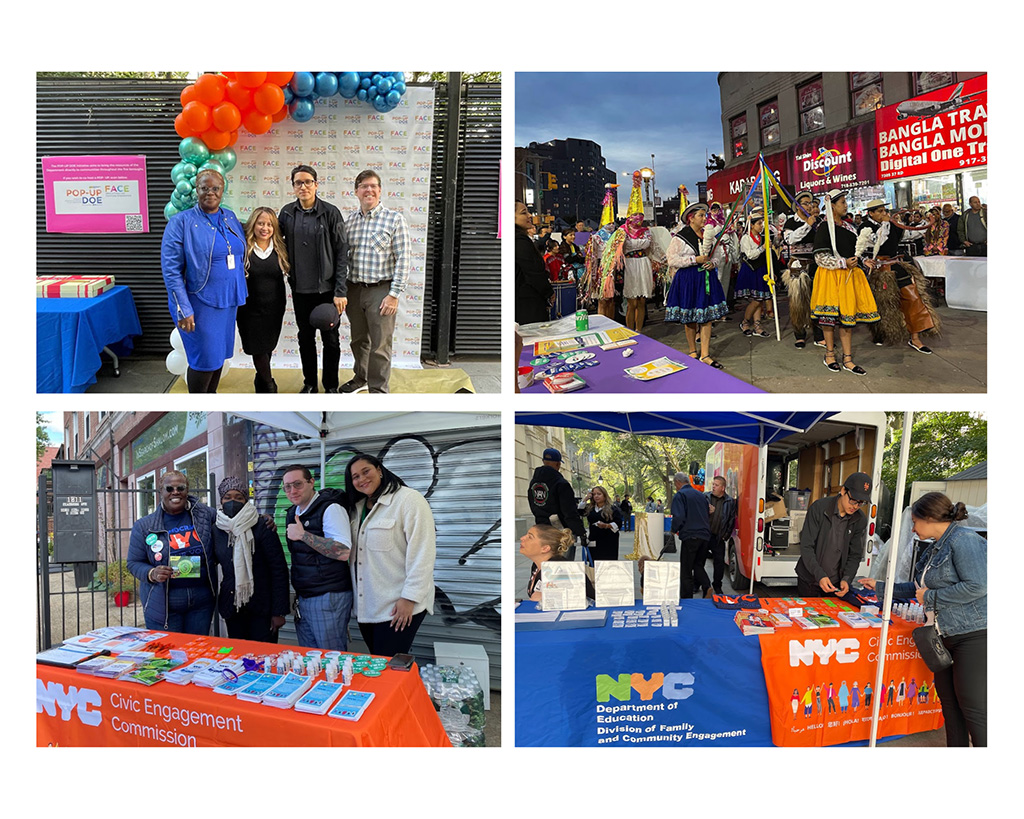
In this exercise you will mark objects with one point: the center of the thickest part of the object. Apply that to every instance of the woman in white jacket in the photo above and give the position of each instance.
(393, 550)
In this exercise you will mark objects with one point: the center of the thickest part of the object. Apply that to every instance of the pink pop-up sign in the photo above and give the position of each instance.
(95, 194)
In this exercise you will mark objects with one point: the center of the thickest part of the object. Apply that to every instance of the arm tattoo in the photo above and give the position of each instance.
(327, 547)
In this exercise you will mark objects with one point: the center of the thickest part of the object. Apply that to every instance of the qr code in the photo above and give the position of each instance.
(133, 222)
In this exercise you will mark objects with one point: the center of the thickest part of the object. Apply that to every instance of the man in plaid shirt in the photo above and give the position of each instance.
(378, 240)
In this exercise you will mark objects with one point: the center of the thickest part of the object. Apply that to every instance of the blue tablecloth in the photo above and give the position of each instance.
(575, 687)
(70, 333)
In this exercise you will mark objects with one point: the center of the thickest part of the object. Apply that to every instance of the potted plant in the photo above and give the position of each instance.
(120, 582)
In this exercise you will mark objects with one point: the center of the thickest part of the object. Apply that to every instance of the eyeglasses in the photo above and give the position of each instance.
(368, 188)
(172, 489)
(294, 485)
(206, 189)
(303, 183)
(855, 502)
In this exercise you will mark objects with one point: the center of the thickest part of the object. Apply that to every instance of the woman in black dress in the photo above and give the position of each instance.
(261, 317)
(605, 522)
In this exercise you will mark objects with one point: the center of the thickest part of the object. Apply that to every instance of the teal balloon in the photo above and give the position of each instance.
(365, 82)
(326, 84)
(303, 83)
(384, 85)
(377, 77)
(226, 158)
(362, 94)
(170, 210)
(301, 109)
(393, 98)
(178, 172)
(399, 87)
(212, 165)
(193, 150)
(183, 188)
(381, 104)
(348, 84)
(398, 76)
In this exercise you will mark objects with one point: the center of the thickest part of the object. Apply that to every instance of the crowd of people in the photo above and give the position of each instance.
(218, 273)
(839, 270)
(367, 550)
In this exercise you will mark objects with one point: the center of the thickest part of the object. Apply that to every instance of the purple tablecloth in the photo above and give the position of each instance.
(608, 376)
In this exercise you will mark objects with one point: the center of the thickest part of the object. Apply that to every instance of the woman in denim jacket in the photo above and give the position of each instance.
(950, 581)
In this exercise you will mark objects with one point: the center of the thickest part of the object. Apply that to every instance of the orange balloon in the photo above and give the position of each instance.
(233, 138)
(268, 98)
(188, 94)
(197, 116)
(257, 123)
(239, 95)
(280, 115)
(227, 117)
(216, 140)
(229, 74)
(210, 88)
(280, 77)
(181, 127)
(252, 79)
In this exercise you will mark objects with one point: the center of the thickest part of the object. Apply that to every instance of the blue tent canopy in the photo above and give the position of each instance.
(756, 428)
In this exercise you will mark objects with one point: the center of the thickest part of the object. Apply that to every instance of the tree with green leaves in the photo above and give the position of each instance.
(42, 437)
(941, 444)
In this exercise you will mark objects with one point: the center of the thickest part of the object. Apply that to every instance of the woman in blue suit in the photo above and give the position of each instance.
(202, 258)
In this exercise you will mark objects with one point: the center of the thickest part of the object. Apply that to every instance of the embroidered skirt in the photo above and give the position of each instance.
(842, 298)
(695, 297)
(750, 283)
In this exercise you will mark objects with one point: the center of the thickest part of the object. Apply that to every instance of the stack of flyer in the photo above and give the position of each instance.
(234, 686)
(183, 676)
(66, 656)
(219, 672)
(255, 690)
(288, 691)
(319, 698)
(352, 705)
(95, 664)
(851, 618)
(115, 669)
(751, 622)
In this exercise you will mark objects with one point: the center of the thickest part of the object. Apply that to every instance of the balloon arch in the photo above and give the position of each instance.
(217, 106)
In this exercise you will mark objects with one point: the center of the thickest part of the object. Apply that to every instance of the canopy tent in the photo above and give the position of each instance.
(323, 424)
(758, 428)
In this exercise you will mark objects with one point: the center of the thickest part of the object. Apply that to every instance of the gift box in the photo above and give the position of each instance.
(72, 287)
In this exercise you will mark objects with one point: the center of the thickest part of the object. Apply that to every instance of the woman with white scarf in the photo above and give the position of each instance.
(254, 596)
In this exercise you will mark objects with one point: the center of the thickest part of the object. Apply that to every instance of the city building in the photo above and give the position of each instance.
(566, 178)
(821, 131)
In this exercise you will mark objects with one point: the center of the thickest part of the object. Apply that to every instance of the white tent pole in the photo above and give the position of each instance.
(890, 570)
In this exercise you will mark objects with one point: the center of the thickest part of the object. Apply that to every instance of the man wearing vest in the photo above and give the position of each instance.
(552, 500)
(319, 539)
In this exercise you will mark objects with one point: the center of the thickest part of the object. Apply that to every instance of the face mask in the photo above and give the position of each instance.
(232, 508)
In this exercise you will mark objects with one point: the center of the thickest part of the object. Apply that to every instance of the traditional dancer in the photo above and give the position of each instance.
(695, 298)
(841, 296)
(798, 233)
(750, 283)
(592, 287)
(629, 250)
(900, 289)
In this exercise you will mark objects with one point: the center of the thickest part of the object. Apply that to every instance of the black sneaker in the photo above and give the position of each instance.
(353, 386)
(306, 389)
(331, 391)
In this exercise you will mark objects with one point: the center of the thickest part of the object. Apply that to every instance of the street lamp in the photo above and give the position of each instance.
(647, 174)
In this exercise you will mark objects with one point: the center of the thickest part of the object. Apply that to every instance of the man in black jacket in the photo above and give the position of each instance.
(552, 500)
(314, 233)
(833, 539)
(722, 520)
(319, 539)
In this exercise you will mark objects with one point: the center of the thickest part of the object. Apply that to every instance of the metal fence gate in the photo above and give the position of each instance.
(121, 116)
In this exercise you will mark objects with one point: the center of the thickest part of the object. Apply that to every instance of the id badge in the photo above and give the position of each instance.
(231, 261)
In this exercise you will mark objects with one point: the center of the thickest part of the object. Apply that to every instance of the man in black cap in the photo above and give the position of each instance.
(552, 500)
(314, 234)
(833, 539)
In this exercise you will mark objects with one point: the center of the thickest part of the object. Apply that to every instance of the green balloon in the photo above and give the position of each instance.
(194, 150)
(190, 169)
(183, 188)
(170, 210)
(178, 172)
(225, 157)
(212, 165)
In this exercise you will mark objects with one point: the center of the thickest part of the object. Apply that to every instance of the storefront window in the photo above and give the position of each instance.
(812, 112)
(768, 114)
(865, 92)
(194, 468)
(934, 191)
(146, 497)
(858, 198)
(975, 183)
(926, 81)
(738, 132)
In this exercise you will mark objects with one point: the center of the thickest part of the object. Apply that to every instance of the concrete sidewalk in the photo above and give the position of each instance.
(958, 364)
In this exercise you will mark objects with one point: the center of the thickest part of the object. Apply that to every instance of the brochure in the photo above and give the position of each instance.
(234, 686)
(183, 676)
(288, 690)
(320, 698)
(352, 705)
(661, 583)
(614, 583)
(66, 656)
(255, 690)
(563, 585)
(658, 368)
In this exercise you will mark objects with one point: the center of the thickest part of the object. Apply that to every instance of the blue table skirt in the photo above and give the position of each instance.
(713, 693)
(70, 333)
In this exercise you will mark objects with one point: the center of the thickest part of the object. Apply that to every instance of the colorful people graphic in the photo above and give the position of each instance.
(855, 696)
(817, 697)
(795, 700)
(831, 698)
(867, 695)
(844, 697)
(807, 702)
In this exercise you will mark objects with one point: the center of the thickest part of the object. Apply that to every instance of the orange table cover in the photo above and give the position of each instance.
(82, 710)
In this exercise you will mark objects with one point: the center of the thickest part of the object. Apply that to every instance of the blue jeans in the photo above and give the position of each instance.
(189, 611)
(323, 621)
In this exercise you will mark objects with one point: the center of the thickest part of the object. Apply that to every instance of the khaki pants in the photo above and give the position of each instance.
(371, 334)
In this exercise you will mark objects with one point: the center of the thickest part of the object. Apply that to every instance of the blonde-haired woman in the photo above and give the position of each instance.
(540, 544)
(261, 317)
(605, 522)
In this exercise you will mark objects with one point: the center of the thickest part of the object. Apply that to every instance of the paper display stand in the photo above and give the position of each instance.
(650, 534)
(614, 583)
(661, 583)
(563, 585)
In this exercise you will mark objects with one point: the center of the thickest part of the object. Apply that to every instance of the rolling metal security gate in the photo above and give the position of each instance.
(116, 116)
(459, 472)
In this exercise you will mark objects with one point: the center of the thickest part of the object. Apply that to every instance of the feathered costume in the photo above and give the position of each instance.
(590, 284)
(629, 249)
